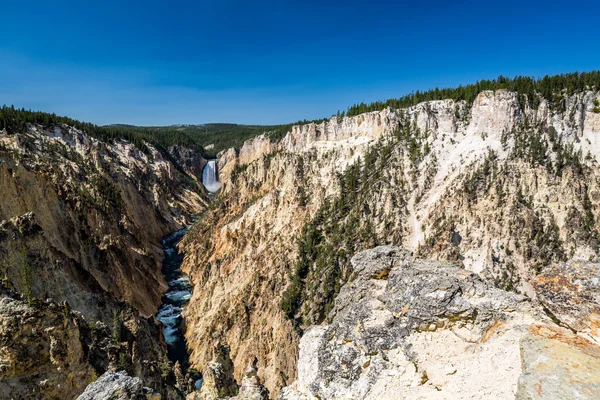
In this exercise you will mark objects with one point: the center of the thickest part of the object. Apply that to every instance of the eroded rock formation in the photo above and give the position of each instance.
(81, 223)
(117, 385)
(408, 328)
(503, 189)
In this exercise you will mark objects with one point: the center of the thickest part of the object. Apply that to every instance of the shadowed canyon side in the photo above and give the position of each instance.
(81, 222)
(97, 213)
(504, 186)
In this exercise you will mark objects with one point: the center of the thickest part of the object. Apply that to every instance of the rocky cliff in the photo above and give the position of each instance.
(407, 328)
(81, 223)
(503, 188)
(85, 218)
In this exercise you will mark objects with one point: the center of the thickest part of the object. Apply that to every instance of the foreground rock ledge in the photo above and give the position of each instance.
(409, 329)
(120, 386)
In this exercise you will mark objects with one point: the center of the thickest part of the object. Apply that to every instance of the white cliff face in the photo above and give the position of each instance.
(501, 221)
(348, 131)
(227, 160)
(369, 125)
(254, 148)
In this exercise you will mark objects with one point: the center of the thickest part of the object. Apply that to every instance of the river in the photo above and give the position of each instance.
(178, 294)
(180, 287)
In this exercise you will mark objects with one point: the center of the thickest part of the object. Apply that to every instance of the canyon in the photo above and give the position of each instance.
(81, 236)
(448, 249)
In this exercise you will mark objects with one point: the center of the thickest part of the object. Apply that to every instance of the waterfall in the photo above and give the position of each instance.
(209, 177)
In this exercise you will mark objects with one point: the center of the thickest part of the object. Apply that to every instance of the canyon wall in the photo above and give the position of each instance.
(96, 213)
(81, 223)
(445, 179)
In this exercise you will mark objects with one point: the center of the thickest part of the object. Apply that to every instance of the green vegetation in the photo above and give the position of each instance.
(107, 192)
(195, 137)
(537, 146)
(26, 275)
(3, 270)
(553, 88)
(341, 227)
(15, 120)
(222, 136)
(482, 178)
(117, 324)
(225, 136)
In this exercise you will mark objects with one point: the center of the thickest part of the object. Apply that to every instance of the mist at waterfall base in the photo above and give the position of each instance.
(178, 294)
(210, 177)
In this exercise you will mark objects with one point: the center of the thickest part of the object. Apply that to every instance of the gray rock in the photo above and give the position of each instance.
(391, 297)
(217, 378)
(413, 329)
(114, 386)
(251, 388)
(377, 262)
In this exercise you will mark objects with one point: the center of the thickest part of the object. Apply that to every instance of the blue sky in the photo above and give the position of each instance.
(184, 62)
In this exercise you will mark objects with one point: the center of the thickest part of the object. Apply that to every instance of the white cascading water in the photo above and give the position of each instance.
(209, 177)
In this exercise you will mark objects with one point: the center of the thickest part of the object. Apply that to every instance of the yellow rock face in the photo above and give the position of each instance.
(40, 352)
(558, 364)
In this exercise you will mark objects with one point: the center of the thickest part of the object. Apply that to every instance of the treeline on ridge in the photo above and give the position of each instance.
(555, 89)
(552, 88)
(15, 120)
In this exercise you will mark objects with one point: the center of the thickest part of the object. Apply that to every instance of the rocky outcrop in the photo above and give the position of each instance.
(251, 387)
(412, 328)
(118, 386)
(218, 382)
(217, 378)
(571, 292)
(558, 364)
(41, 351)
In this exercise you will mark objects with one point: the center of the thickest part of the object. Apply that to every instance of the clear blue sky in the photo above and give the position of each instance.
(169, 62)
